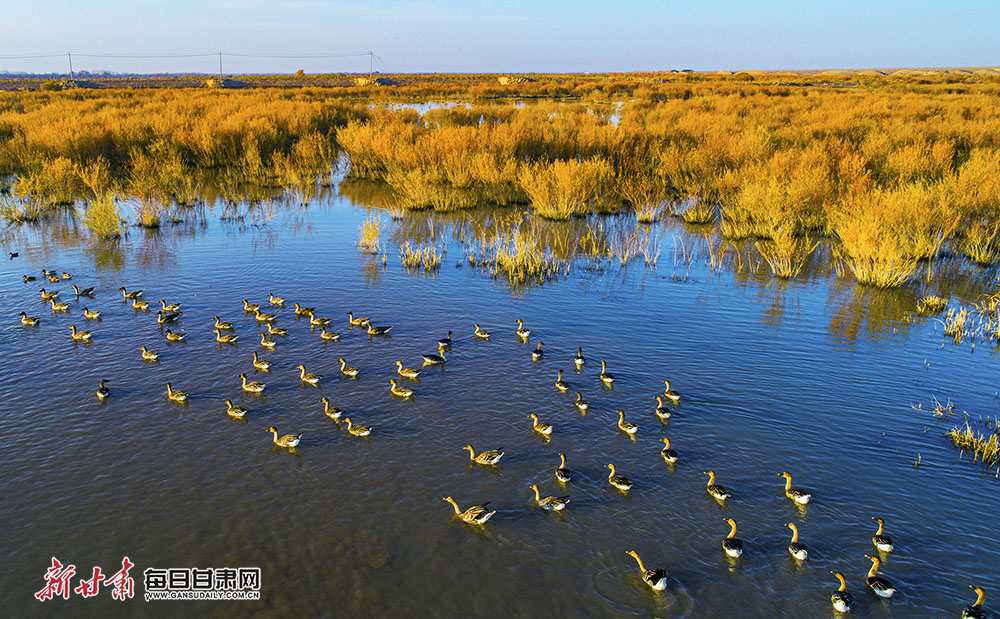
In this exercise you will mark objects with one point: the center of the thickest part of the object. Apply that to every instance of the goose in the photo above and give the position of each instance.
(732, 546)
(328, 336)
(581, 404)
(357, 322)
(975, 610)
(579, 359)
(483, 335)
(272, 330)
(445, 341)
(47, 295)
(66, 275)
(626, 426)
(798, 495)
(406, 372)
(148, 355)
(318, 321)
(52, 277)
(140, 305)
(541, 427)
(286, 440)
(222, 326)
(86, 292)
(538, 353)
(251, 387)
(169, 308)
(477, 514)
(29, 278)
(488, 458)
(560, 384)
(842, 600)
(563, 474)
(399, 390)
(260, 364)
(303, 311)
(432, 359)
(718, 492)
(521, 331)
(162, 318)
(102, 391)
(227, 338)
(383, 330)
(356, 430)
(655, 578)
(331, 411)
(250, 307)
(879, 586)
(79, 335)
(550, 503)
(606, 377)
(619, 481)
(267, 342)
(135, 294)
(670, 393)
(668, 454)
(233, 410)
(58, 307)
(797, 550)
(264, 317)
(175, 394)
(175, 337)
(30, 321)
(13, 254)
(661, 411)
(347, 370)
(308, 377)
(882, 541)
(273, 300)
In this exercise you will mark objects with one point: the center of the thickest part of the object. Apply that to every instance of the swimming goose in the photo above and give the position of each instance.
(303, 311)
(222, 326)
(171, 308)
(357, 322)
(718, 492)
(175, 395)
(563, 474)
(882, 541)
(331, 411)
(329, 336)
(267, 342)
(228, 338)
(347, 370)
(581, 404)
(251, 387)
(879, 586)
(406, 372)
(538, 353)
(48, 296)
(732, 546)
(102, 391)
(606, 377)
(432, 359)
(670, 393)
(264, 317)
(273, 300)
(148, 355)
(53, 277)
(318, 321)
(234, 411)
(661, 411)
(842, 600)
(489, 457)
(619, 481)
(260, 364)
(58, 307)
(541, 427)
(66, 275)
(579, 359)
(29, 278)
(445, 341)
(798, 495)
(477, 514)
(560, 384)
(399, 390)
(165, 318)
(140, 305)
(975, 610)
(30, 321)
(521, 331)
(797, 550)
(272, 330)
(484, 335)
(356, 430)
(655, 578)
(550, 503)
(373, 330)
(308, 377)
(79, 335)
(250, 307)
(86, 292)
(287, 440)
(135, 294)
(626, 426)
(668, 454)
(175, 337)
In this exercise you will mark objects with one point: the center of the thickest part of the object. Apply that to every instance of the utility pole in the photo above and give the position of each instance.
(370, 54)
(70, 56)
(220, 65)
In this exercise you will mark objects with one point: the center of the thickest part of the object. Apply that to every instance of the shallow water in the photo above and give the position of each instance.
(815, 377)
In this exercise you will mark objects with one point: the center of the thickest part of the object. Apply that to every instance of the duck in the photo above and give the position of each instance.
(797, 550)
(318, 321)
(90, 314)
(58, 306)
(286, 440)
(267, 342)
(140, 305)
(250, 307)
(47, 295)
(842, 600)
(303, 311)
(406, 372)
(222, 326)
(383, 330)
(432, 359)
(488, 458)
(626, 426)
(798, 495)
(29, 278)
(52, 277)
(538, 353)
(264, 317)
(148, 355)
(328, 336)
(251, 387)
(550, 503)
(66, 275)
(879, 586)
(563, 474)
(308, 377)
(477, 514)
(560, 384)
(227, 338)
(347, 370)
(260, 364)
(357, 322)
(882, 541)
(162, 318)
(669, 455)
(661, 411)
(521, 331)
(356, 430)
(79, 335)
(272, 330)
(102, 391)
(399, 390)
(670, 393)
(541, 427)
(732, 546)
(606, 377)
(718, 492)
(169, 308)
(175, 337)
(656, 578)
(445, 341)
(176, 395)
(233, 410)
(579, 359)
(86, 292)
(619, 481)
(975, 610)
(581, 404)
(331, 411)
(483, 335)
(134, 294)
(13, 254)
(29, 321)
(273, 300)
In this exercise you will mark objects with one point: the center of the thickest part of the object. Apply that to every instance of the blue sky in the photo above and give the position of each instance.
(504, 35)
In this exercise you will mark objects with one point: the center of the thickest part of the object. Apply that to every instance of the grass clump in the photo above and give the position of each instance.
(931, 304)
(415, 257)
(699, 212)
(103, 219)
(20, 211)
(786, 254)
(956, 324)
(369, 241)
(561, 189)
(985, 447)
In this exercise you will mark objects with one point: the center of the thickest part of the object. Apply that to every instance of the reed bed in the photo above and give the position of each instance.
(983, 445)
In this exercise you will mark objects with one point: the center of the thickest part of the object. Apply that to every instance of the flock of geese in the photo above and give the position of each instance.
(656, 578)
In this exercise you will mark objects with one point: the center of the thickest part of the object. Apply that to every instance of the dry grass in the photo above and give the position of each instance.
(103, 219)
(369, 241)
(984, 446)
(931, 304)
(785, 254)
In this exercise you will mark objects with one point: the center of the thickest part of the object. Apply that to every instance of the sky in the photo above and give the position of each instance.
(500, 36)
